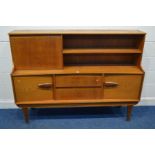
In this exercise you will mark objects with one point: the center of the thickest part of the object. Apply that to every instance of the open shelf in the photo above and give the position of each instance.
(100, 51)
(93, 59)
(103, 41)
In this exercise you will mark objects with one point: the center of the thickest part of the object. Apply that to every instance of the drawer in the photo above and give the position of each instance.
(122, 86)
(78, 80)
(78, 93)
(33, 88)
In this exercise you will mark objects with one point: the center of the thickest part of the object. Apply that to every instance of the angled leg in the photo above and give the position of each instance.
(129, 111)
(26, 114)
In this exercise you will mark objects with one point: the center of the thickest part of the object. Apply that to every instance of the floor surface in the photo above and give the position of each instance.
(143, 117)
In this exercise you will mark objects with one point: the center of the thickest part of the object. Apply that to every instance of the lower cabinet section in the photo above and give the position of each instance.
(33, 88)
(77, 87)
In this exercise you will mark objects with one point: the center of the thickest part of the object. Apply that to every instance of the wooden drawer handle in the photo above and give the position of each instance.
(110, 84)
(45, 85)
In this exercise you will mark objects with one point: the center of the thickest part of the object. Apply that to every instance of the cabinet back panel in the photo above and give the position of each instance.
(100, 59)
(102, 41)
(37, 52)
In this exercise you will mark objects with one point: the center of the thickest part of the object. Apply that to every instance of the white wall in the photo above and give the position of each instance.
(148, 63)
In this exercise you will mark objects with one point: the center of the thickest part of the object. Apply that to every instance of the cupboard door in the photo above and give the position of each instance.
(37, 52)
(78, 93)
(122, 86)
(78, 81)
(33, 88)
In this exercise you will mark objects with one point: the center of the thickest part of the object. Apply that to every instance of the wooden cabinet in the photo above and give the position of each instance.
(77, 68)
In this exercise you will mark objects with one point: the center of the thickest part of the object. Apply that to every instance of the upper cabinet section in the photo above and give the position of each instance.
(36, 51)
(56, 49)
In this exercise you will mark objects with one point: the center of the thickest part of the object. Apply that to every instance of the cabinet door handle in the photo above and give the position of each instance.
(45, 85)
(110, 84)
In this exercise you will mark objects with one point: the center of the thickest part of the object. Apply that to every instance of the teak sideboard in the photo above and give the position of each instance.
(77, 68)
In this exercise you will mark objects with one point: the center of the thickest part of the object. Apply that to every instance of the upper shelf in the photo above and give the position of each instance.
(100, 51)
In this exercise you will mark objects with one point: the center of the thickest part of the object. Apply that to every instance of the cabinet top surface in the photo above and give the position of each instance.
(83, 70)
(82, 31)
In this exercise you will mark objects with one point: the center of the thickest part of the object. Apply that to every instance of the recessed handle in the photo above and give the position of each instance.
(45, 85)
(110, 84)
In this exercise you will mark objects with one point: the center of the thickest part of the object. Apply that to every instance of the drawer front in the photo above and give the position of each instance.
(33, 88)
(78, 93)
(78, 80)
(122, 86)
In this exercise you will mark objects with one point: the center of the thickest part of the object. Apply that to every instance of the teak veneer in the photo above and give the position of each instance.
(77, 68)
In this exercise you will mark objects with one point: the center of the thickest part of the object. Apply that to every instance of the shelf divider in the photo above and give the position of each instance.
(100, 51)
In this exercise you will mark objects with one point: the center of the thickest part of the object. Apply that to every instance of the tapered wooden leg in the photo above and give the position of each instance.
(129, 111)
(26, 114)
